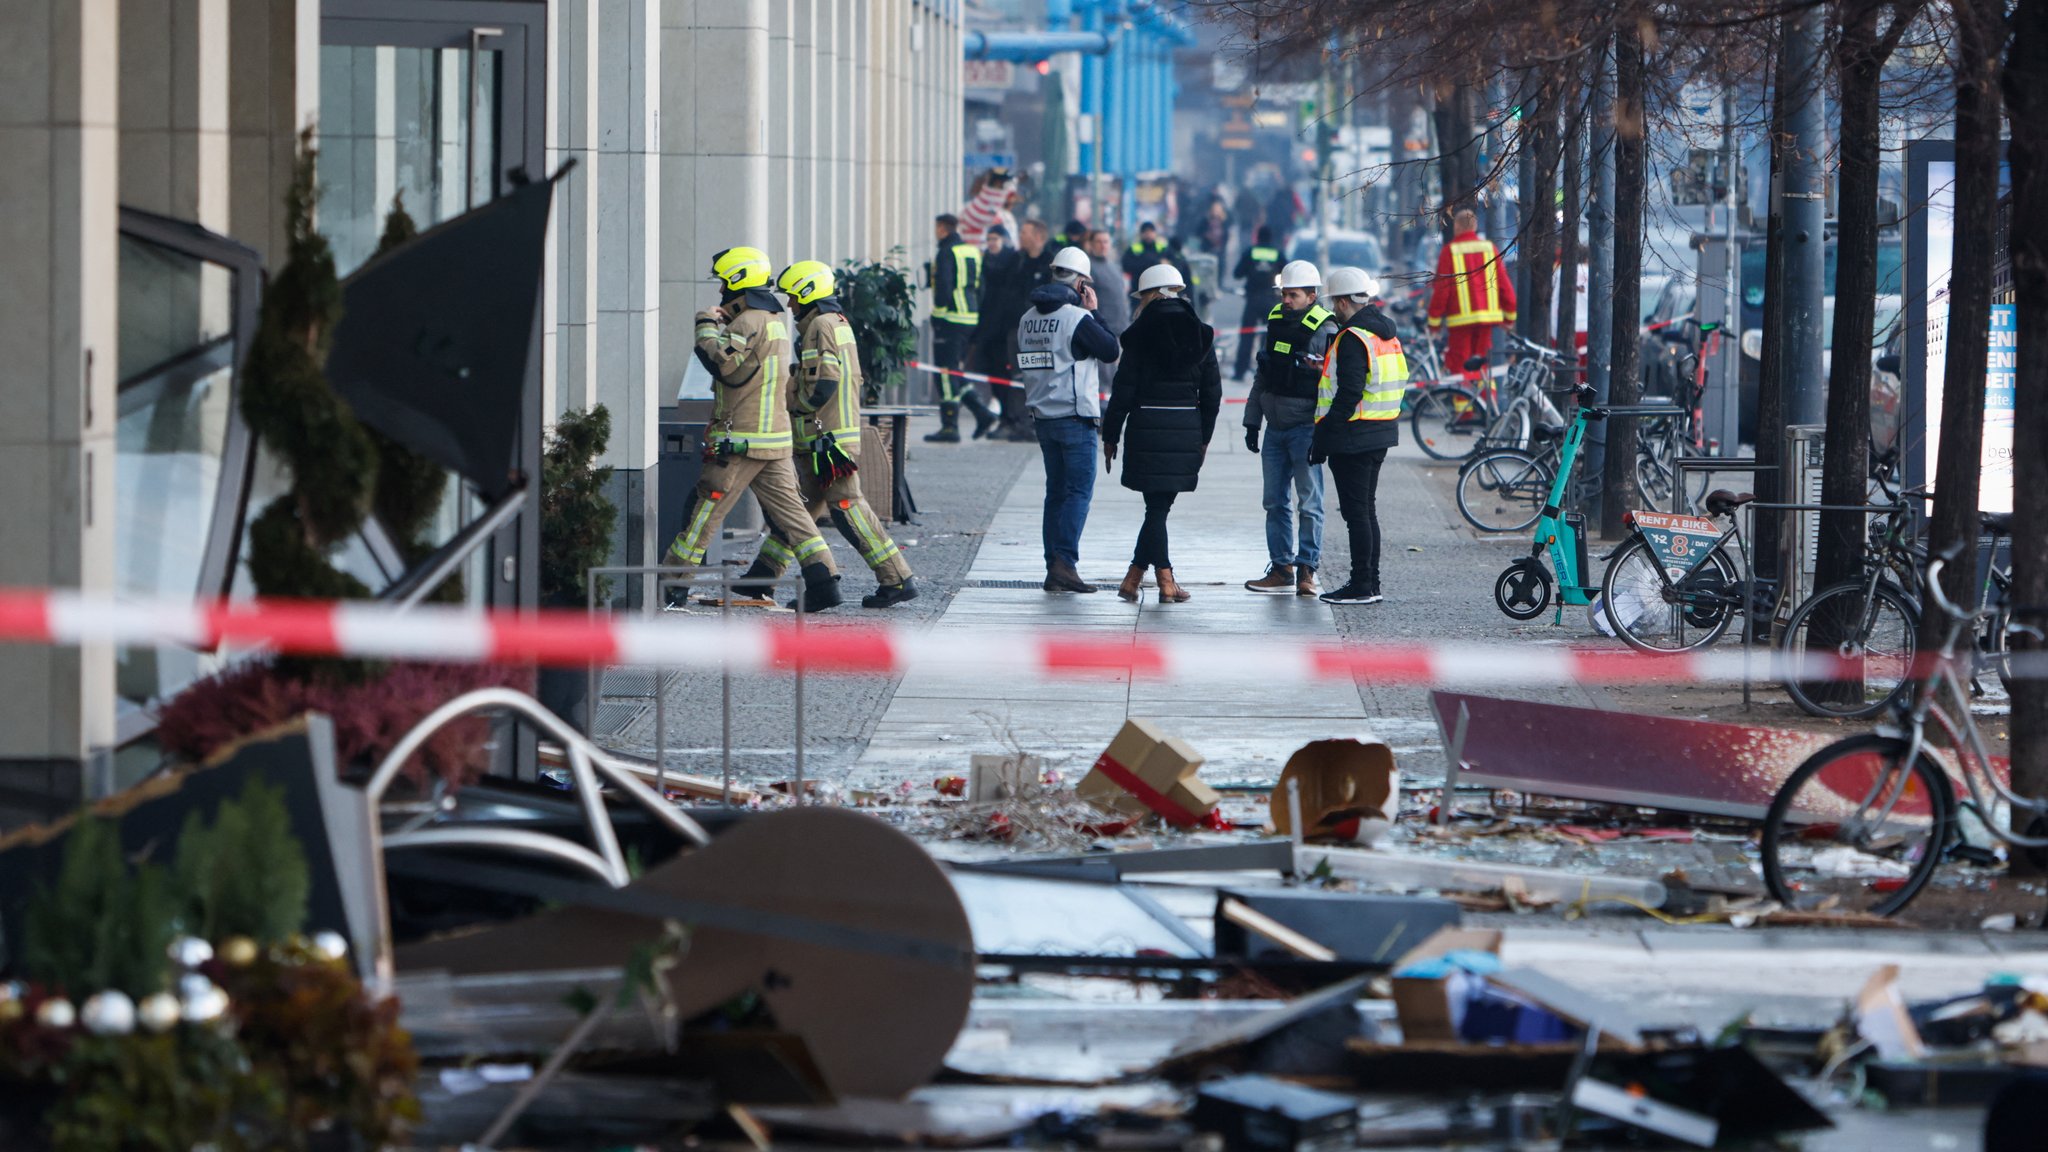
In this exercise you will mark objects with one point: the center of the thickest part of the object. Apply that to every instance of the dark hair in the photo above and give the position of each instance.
(947, 220)
(1265, 233)
(998, 230)
(1148, 226)
(1076, 228)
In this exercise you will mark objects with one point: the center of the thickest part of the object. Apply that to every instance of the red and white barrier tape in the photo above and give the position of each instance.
(977, 377)
(756, 643)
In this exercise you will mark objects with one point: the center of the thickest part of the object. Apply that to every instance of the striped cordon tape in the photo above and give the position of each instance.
(759, 641)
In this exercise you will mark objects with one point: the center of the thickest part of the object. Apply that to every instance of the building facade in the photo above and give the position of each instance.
(815, 129)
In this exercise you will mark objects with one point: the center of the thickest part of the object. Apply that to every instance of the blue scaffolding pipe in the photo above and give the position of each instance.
(1030, 47)
(1128, 91)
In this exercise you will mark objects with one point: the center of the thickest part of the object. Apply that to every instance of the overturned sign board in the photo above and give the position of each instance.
(1700, 766)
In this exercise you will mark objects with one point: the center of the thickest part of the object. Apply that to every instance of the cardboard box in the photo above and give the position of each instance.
(1427, 1006)
(1165, 764)
(1350, 791)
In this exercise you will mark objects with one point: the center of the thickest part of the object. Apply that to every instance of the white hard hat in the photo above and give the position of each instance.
(1160, 276)
(1072, 260)
(1300, 274)
(1355, 282)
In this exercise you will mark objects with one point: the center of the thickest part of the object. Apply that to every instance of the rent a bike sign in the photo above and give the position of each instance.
(1681, 542)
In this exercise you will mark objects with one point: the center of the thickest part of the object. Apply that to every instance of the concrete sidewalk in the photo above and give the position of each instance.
(1218, 541)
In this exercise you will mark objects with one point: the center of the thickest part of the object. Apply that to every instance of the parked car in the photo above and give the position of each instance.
(1884, 381)
(1347, 248)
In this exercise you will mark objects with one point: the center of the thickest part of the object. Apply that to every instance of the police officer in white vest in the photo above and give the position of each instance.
(1059, 345)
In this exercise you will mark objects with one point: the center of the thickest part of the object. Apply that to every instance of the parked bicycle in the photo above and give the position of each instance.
(1863, 823)
(1505, 488)
(1674, 586)
(1522, 403)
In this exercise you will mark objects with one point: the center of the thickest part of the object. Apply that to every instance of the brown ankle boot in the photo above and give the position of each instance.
(1170, 592)
(1128, 590)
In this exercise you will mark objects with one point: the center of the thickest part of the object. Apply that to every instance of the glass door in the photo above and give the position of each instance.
(437, 105)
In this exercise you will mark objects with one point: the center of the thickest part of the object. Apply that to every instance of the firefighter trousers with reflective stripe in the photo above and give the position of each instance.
(774, 485)
(856, 521)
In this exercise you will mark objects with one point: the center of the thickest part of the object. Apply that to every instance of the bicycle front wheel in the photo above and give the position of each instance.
(1503, 491)
(1856, 828)
(1446, 422)
(1691, 611)
(1870, 635)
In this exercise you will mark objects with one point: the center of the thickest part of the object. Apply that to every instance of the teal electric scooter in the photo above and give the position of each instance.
(1524, 590)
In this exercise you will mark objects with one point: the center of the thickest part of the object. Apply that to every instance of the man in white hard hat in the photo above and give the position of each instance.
(1358, 411)
(1283, 399)
(1060, 344)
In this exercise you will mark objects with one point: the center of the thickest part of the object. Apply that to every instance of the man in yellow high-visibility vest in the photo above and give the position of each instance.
(955, 278)
(1358, 411)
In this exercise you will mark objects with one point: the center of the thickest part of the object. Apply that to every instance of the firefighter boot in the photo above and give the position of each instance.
(821, 589)
(890, 595)
(949, 424)
(984, 419)
(757, 583)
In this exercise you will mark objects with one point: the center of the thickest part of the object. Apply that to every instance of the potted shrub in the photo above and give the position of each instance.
(576, 522)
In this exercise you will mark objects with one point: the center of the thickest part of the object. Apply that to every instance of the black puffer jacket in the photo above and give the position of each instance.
(1164, 401)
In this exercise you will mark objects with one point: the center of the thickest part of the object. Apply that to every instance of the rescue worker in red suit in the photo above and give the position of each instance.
(1472, 293)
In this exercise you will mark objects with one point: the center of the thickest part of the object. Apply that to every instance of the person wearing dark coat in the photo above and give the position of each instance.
(1005, 293)
(1162, 409)
(1258, 268)
(1357, 420)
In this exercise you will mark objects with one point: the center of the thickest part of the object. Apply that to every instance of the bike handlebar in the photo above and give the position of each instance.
(1934, 589)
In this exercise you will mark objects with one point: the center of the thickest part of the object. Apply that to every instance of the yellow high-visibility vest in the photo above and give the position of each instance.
(964, 305)
(1386, 378)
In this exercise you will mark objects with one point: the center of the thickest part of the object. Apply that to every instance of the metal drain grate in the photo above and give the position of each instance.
(1038, 584)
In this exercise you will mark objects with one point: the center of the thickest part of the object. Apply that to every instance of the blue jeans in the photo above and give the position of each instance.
(1283, 454)
(1068, 445)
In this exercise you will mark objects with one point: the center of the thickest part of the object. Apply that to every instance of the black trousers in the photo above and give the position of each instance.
(1248, 342)
(949, 348)
(1357, 479)
(1151, 550)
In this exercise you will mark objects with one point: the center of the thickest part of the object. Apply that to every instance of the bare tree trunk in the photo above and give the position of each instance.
(2026, 95)
(1568, 253)
(1539, 209)
(1845, 473)
(1625, 385)
(1458, 152)
(1770, 390)
(1979, 38)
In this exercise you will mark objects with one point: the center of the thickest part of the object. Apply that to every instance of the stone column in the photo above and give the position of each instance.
(59, 98)
(273, 92)
(629, 212)
(569, 333)
(174, 108)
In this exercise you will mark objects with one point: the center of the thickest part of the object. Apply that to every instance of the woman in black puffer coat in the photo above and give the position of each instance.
(1162, 409)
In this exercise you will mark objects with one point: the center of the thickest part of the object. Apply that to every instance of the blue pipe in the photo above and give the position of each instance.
(1030, 46)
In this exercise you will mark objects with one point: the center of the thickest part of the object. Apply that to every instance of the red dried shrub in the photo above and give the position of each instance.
(370, 717)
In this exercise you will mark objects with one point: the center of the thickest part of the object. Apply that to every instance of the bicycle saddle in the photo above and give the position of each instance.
(1549, 431)
(1721, 501)
(1996, 523)
(1474, 363)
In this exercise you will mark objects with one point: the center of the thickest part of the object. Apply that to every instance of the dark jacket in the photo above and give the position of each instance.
(1336, 433)
(1278, 398)
(1164, 402)
(1091, 339)
(942, 272)
(1258, 275)
(1005, 293)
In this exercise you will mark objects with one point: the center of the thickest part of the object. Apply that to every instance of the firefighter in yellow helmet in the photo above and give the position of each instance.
(744, 341)
(824, 410)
